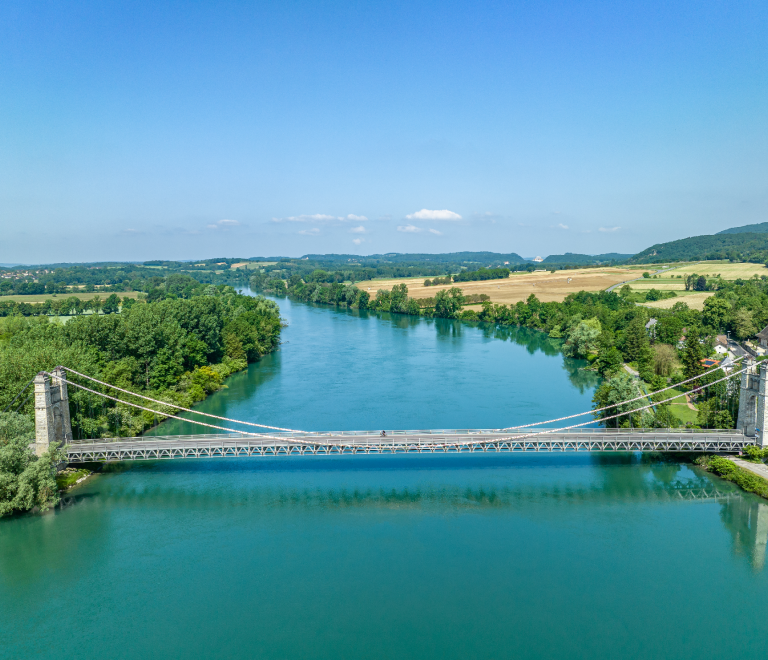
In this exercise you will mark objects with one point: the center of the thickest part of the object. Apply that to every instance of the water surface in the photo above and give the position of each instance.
(469, 556)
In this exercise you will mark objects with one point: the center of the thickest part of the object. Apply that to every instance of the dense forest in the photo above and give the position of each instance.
(760, 228)
(174, 349)
(741, 246)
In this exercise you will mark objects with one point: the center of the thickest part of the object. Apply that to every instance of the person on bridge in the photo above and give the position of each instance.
(383, 434)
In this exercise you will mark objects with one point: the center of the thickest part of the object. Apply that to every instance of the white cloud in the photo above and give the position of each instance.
(357, 230)
(223, 224)
(427, 214)
(310, 232)
(435, 232)
(355, 218)
(316, 217)
(609, 228)
(562, 226)
(409, 229)
(357, 241)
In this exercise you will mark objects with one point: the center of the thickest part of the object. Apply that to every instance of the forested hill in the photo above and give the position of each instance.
(751, 246)
(761, 228)
(586, 259)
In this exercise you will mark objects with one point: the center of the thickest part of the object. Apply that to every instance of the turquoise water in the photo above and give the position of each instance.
(345, 370)
(495, 556)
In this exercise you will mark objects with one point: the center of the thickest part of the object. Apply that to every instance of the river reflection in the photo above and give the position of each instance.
(443, 485)
(747, 521)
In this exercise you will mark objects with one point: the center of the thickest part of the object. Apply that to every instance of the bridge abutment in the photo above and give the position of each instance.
(52, 421)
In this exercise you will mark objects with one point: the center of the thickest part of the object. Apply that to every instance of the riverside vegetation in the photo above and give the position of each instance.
(608, 330)
(173, 349)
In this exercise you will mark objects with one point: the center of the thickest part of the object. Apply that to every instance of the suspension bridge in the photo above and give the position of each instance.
(53, 425)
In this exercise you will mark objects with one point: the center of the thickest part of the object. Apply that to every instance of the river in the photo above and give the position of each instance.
(494, 556)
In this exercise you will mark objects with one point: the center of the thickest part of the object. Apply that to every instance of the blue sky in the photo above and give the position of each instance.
(147, 130)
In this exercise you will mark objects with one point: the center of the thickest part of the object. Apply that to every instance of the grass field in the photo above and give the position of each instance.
(548, 287)
(62, 296)
(727, 271)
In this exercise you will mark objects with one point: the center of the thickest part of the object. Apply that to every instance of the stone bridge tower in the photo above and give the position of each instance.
(52, 423)
(753, 408)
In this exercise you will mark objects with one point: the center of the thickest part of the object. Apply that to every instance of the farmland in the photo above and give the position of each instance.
(694, 300)
(675, 281)
(548, 287)
(38, 298)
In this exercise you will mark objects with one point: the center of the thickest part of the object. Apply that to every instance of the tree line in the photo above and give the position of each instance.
(608, 330)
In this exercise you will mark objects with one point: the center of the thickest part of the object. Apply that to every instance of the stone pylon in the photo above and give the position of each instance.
(52, 422)
(753, 409)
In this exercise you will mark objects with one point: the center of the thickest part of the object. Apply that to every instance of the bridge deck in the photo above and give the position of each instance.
(423, 441)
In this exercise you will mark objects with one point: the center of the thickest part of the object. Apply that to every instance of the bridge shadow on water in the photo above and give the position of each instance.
(504, 484)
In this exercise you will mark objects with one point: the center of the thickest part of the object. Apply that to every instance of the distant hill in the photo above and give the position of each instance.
(481, 258)
(761, 228)
(588, 259)
(731, 244)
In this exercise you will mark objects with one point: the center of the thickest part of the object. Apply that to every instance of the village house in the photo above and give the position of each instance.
(721, 344)
(763, 337)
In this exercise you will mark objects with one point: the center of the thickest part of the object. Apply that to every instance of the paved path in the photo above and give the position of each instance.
(760, 469)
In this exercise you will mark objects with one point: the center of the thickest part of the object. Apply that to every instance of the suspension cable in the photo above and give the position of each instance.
(136, 405)
(23, 403)
(21, 391)
(464, 443)
(613, 405)
(173, 405)
(657, 403)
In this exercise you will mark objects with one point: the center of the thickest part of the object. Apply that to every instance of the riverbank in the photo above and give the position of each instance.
(748, 476)
(70, 477)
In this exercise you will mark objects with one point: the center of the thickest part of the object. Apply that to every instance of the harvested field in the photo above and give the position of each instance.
(725, 269)
(548, 287)
(37, 298)
(694, 300)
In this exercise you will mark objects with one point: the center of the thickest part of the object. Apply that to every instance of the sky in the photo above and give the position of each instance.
(185, 130)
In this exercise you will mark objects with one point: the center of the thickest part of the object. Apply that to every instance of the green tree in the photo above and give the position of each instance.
(715, 313)
(398, 299)
(711, 415)
(743, 324)
(583, 339)
(111, 305)
(663, 359)
(663, 418)
(448, 303)
(618, 389)
(636, 340)
(26, 481)
(625, 291)
(692, 354)
(609, 361)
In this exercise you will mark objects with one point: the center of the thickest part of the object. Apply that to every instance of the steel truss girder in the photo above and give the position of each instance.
(188, 448)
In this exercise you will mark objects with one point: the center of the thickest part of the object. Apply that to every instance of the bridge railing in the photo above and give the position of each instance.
(375, 436)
